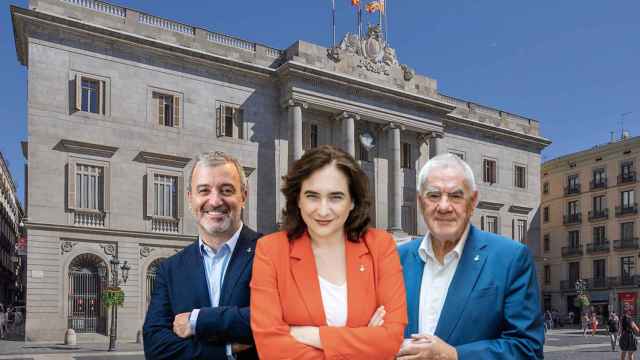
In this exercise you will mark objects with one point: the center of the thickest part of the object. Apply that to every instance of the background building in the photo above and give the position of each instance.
(589, 219)
(11, 265)
(120, 101)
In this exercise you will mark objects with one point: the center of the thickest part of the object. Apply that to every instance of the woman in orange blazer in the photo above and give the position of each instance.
(327, 287)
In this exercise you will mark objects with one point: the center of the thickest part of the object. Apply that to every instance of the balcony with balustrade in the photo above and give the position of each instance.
(598, 215)
(572, 189)
(572, 251)
(600, 247)
(627, 178)
(598, 184)
(627, 209)
(626, 244)
(571, 219)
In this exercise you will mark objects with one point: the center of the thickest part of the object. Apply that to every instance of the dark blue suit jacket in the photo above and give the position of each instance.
(492, 309)
(181, 286)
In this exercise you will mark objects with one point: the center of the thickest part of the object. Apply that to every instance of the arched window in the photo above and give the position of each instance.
(87, 279)
(151, 278)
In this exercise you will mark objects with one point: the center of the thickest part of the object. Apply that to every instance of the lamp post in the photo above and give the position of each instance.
(113, 333)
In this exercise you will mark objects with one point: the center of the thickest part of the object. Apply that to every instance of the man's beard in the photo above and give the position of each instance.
(217, 228)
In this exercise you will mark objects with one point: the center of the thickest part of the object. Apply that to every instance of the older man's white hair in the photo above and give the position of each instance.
(445, 161)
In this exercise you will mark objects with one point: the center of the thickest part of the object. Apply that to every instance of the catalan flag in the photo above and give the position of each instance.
(375, 6)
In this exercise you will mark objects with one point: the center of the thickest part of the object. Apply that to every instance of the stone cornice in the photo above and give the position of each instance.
(293, 68)
(366, 112)
(522, 210)
(108, 232)
(19, 15)
(84, 148)
(537, 141)
(488, 205)
(162, 159)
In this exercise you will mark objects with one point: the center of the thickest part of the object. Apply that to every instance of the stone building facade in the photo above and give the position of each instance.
(589, 228)
(120, 101)
(11, 285)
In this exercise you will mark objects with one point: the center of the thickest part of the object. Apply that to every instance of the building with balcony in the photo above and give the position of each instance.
(121, 100)
(603, 251)
(11, 264)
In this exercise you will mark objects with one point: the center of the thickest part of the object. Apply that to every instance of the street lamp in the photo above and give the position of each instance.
(113, 333)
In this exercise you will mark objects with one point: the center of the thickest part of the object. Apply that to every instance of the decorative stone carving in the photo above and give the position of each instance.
(408, 73)
(146, 251)
(109, 249)
(66, 246)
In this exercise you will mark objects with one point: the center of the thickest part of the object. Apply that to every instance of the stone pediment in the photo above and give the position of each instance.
(84, 148)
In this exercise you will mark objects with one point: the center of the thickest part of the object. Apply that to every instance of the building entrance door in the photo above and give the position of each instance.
(87, 279)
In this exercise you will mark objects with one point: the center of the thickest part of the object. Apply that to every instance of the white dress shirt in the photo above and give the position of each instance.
(334, 301)
(436, 279)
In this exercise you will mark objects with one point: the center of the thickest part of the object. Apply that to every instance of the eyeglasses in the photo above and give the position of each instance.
(454, 197)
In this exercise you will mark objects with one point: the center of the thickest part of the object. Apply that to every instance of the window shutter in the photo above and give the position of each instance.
(239, 113)
(176, 111)
(106, 189)
(150, 195)
(180, 198)
(482, 223)
(513, 228)
(218, 121)
(78, 92)
(160, 109)
(71, 184)
(101, 97)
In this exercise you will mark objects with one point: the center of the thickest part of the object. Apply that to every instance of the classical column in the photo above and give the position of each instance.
(396, 179)
(349, 131)
(295, 121)
(434, 144)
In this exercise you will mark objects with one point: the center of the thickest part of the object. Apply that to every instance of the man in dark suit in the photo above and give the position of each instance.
(470, 294)
(200, 306)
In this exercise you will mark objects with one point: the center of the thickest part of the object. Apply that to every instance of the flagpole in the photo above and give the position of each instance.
(386, 23)
(333, 26)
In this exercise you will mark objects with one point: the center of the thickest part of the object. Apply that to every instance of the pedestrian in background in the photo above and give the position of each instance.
(628, 331)
(3, 322)
(612, 328)
(594, 323)
(586, 323)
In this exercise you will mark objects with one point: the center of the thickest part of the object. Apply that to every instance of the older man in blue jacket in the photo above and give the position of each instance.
(470, 294)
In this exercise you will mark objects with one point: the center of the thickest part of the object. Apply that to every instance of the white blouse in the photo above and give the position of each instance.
(334, 300)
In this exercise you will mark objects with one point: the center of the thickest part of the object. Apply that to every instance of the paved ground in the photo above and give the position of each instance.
(561, 344)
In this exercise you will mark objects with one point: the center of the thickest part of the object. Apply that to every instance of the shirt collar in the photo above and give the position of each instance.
(206, 250)
(426, 247)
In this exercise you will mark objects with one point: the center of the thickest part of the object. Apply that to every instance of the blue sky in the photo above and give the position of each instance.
(572, 65)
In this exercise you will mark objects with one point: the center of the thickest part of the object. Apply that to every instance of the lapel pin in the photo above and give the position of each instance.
(248, 250)
(477, 258)
(361, 268)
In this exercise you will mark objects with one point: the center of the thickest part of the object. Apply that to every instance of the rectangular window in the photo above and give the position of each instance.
(574, 272)
(627, 267)
(489, 171)
(520, 176)
(599, 235)
(309, 135)
(573, 181)
(545, 214)
(547, 274)
(547, 242)
(90, 94)
(521, 230)
(599, 204)
(545, 188)
(572, 208)
(627, 199)
(165, 196)
(492, 224)
(599, 269)
(626, 168)
(405, 156)
(574, 239)
(230, 121)
(89, 187)
(599, 177)
(626, 231)
(168, 109)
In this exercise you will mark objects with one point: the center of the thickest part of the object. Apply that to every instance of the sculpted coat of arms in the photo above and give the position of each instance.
(375, 54)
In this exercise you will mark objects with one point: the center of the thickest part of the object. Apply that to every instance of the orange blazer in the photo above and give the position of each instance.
(285, 291)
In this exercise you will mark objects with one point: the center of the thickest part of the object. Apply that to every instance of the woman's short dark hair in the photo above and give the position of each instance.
(313, 160)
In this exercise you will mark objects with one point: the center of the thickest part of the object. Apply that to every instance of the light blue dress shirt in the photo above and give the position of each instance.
(215, 266)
